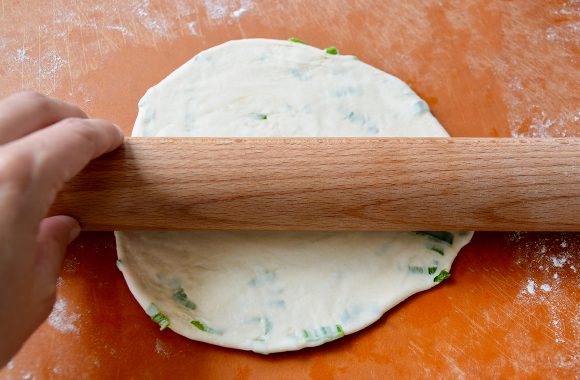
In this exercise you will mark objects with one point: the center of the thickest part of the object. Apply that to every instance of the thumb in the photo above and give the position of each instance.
(54, 235)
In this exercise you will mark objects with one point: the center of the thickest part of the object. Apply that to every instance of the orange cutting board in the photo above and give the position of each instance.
(507, 68)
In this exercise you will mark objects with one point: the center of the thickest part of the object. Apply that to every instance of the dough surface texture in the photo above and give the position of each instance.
(280, 291)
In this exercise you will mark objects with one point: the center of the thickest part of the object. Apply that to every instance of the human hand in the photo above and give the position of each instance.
(43, 143)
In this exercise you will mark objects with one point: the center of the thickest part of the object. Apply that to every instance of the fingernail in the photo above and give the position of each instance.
(74, 233)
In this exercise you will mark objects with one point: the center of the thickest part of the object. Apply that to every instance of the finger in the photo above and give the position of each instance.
(26, 112)
(48, 158)
(54, 235)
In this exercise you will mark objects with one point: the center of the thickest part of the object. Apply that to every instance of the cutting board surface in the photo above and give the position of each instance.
(485, 68)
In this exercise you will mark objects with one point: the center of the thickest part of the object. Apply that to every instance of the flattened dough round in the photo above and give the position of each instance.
(280, 291)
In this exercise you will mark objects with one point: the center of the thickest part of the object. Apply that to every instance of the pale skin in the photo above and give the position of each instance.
(43, 143)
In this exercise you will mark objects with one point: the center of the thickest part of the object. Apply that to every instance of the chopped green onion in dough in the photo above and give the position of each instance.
(203, 327)
(332, 50)
(442, 276)
(296, 40)
(158, 317)
(280, 291)
(180, 296)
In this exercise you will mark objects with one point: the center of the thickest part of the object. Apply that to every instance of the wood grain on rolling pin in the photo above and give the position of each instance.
(390, 184)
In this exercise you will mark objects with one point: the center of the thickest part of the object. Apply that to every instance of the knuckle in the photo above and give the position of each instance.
(40, 104)
(45, 104)
(39, 100)
(16, 172)
(73, 122)
(80, 128)
(82, 131)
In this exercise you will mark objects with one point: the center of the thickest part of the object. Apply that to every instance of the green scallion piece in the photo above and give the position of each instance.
(262, 116)
(438, 250)
(444, 236)
(205, 328)
(180, 296)
(332, 50)
(442, 276)
(298, 41)
(431, 270)
(199, 325)
(267, 326)
(415, 269)
(339, 330)
(158, 317)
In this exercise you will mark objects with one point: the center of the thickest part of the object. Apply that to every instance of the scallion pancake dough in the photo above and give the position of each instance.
(280, 291)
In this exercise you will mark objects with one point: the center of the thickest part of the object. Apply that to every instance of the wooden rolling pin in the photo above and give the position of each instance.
(378, 184)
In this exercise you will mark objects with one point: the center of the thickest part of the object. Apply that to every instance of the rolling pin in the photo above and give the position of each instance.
(370, 184)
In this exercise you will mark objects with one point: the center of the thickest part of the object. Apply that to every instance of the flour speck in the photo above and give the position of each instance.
(71, 264)
(558, 262)
(192, 27)
(161, 349)
(548, 264)
(216, 9)
(531, 288)
(50, 64)
(21, 55)
(239, 12)
(224, 9)
(121, 29)
(62, 319)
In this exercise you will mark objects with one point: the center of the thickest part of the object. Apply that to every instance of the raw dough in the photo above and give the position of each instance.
(280, 291)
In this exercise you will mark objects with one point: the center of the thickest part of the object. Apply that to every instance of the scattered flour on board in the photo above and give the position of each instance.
(222, 9)
(192, 27)
(62, 319)
(547, 264)
(559, 262)
(21, 55)
(121, 29)
(71, 264)
(153, 20)
(50, 63)
(543, 126)
(568, 28)
(529, 113)
(531, 288)
(72, 38)
(245, 6)
(161, 349)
